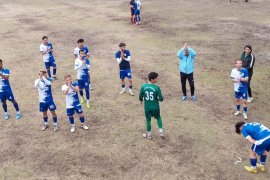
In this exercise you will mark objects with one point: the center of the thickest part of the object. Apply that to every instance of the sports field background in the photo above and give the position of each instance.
(200, 142)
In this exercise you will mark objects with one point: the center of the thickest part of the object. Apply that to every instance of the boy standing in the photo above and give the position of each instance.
(151, 95)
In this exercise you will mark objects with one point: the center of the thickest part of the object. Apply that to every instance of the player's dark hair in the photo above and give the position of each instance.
(238, 126)
(44, 37)
(122, 44)
(81, 50)
(249, 47)
(80, 41)
(152, 75)
(1, 61)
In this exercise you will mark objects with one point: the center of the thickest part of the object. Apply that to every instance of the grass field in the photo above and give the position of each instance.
(200, 143)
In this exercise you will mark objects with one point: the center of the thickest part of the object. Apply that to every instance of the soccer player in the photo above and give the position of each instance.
(186, 56)
(248, 61)
(132, 17)
(46, 49)
(82, 67)
(73, 105)
(151, 95)
(86, 51)
(123, 58)
(239, 77)
(6, 92)
(259, 136)
(137, 11)
(43, 84)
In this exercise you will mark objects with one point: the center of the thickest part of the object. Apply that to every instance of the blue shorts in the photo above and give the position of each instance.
(77, 109)
(50, 64)
(43, 107)
(240, 94)
(83, 84)
(125, 73)
(259, 149)
(6, 95)
(137, 12)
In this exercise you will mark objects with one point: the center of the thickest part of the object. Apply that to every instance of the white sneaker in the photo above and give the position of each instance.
(55, 128)
(148, 136)
(6, 116)
(85, 127)
(131, 92)
(237, 113)
(123, 91)
(44, 127)
(161, 134)
(245, 116)
(250, 99)
(72, 129)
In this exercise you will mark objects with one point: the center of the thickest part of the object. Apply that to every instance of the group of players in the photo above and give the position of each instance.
(135, 9)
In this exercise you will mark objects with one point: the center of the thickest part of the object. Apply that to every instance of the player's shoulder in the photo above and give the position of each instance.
(74, 84)
(5, 70)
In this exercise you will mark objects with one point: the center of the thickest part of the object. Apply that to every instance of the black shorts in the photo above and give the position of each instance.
(132, 11)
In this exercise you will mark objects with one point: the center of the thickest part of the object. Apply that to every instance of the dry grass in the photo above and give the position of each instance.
(200, 143)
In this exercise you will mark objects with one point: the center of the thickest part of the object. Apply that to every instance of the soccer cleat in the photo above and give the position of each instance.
(249, 100)
(261, 167)
(6, 116)
(237, 113)
(18, 115)
(184, 98)
(251, 170)
(85, 127)
(245, 116)
(161, 134)
(131, 92)
(54, 77)
(82, 100)
(123, 91)
(72, 129)
(44, 127)
(148, 136)
(88, 105)
(55, 128)
(194, 98)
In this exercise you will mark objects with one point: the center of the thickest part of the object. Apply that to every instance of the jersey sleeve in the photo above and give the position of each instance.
(160, 97)
(141, 94)
(64, 88)
(74, 84)
(41, 48)
(50, 45)
(180, 53)
(232, 74)
(75, 52)
(246, 74)
(86, 51)
(117, 55)
(244, 132)
(128, 53)
(192, 52)
(7, 72)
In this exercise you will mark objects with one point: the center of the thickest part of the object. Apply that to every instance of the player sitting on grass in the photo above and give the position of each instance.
(6, 92)
(259, 136)
(73, 105)
(82, 67)
(239, 76)
(46, 49)
(123, 58)
(43, 84)
(151, 95)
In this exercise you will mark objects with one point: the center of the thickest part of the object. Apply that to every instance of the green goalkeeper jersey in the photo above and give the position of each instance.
(151, 94)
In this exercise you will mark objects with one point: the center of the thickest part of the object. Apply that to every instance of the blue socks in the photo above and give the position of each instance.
(81, 92)
(253, 162)
(123, 86)
(49, 73)
(45, 119)
(55, 119)
(4, 105)
(130, 87)
(87, 92)
(263, 159)
(82, 119)
(16, 106)
(54, 71)
(238, 107)
(71, 120)
(245, 109)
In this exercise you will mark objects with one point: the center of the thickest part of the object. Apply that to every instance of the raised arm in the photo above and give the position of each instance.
(4, 76)
(78, 64)
(47, 82)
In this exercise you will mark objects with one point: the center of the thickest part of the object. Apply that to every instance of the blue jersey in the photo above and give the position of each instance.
(48, 56)
(44, 90)
(255, 130)
(124, 65)
(237, 74)
(82, 69)
(77, 50)
(4, 83)
(137, 5)
(72, 98)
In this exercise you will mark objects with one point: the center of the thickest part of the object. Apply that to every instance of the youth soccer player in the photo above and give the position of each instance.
(86, 51)
(6, 92)
(137, 11)
(259, 136)
(46, 49)
(82, 67)
(123, 58)
(43, 84)
(73, 105)
(151, 95)
(239, 77)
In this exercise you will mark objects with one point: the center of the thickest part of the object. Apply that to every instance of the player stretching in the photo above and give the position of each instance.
(6, 92)
(73, 105)
(137, 11)
(123, 58)
(151, 94)
(239, 76)
(82, 67)
(259, 136)
(43, 84)
(86, 51)
(46, 49)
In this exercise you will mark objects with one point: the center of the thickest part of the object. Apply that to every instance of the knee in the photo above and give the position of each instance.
(252, 154)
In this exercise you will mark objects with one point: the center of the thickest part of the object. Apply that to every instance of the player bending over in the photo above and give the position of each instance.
(73, 105)
(6, 92)
(239, 76)
(259, 136)
(82, 67)
(151, 95)
(43, 84)
(46, 49)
